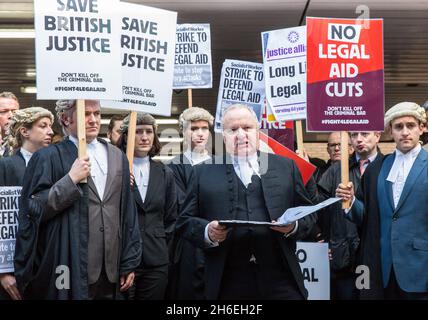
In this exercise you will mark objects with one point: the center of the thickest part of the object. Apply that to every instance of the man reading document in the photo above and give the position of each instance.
(246, 262)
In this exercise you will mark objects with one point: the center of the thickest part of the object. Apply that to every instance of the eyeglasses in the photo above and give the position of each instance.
(336, 145)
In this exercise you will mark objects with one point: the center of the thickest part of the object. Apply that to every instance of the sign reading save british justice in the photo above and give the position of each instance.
(147, 47)
(77, 49)
(345, 75)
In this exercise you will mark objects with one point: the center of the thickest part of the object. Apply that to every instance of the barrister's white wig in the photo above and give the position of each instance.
(404, 109)
(25, 118)
(194, 114)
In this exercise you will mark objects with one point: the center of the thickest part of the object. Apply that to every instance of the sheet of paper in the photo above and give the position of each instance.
(294, 214)
(289, 216)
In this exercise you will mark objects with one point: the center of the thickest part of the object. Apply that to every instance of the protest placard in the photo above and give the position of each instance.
(148, 42)
(345, 88)
(9, 208)
(193, 67)
(315, 266)
(284, 60)
(241, 82)
(280, 131)
(77, 49)
(268, 144)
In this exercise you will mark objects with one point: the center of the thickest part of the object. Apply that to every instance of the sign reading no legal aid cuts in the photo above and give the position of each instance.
(284, 60)
(193, 67)
(77, 49)
(9, 208)
(148, 41)
(345, 87)
(241, 82)
(315, 266)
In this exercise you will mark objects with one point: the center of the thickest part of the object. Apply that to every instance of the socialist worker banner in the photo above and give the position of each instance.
(345, 78)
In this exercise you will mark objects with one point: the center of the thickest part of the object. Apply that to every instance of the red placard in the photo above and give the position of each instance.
(345, 76)
(306, 169)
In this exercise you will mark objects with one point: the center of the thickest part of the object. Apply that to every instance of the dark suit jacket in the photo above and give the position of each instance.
(401, 231)
(54, 224)
(12, 170)
(157, 214)
(104, 215)
(212, 195)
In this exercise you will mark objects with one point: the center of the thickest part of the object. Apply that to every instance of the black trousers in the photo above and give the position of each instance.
(103, 289)
(342, 286)
(250, 281)
(186, 281)
(394, 292)
(149, 284)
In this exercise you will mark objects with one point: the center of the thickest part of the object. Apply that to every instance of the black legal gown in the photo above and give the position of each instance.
(11, 174)
(47, 239)
(12, 170)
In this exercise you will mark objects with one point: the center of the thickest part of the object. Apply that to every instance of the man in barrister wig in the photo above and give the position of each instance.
(77, 240)
(391, 206)
(187, 282)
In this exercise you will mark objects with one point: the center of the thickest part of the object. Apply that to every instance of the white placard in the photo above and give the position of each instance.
(193, 67)
(284, 59)
(77, 49)
(9, 208)
(241, 82)
(148, 44)
(270, 116)
(315, 266)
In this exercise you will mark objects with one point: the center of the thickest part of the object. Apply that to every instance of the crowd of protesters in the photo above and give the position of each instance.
(151, 231)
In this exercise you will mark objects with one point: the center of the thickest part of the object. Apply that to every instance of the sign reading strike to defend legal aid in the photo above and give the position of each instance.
(77, 49)
(241, 82)
(148, 43)
(284, 60)
(345, 88)
(193, 67)
(9, 208)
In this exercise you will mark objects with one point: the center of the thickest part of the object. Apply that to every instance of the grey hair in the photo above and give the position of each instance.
(8, 95)
(238, 106)
(64, 107)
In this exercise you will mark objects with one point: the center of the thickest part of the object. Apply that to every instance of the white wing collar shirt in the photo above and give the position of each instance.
(400, 169)
(141, 171)
(195, 157)
(246, 167)
(26, 154)
(97, 153)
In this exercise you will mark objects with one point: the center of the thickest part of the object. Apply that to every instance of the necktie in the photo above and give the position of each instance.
(363, 165)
